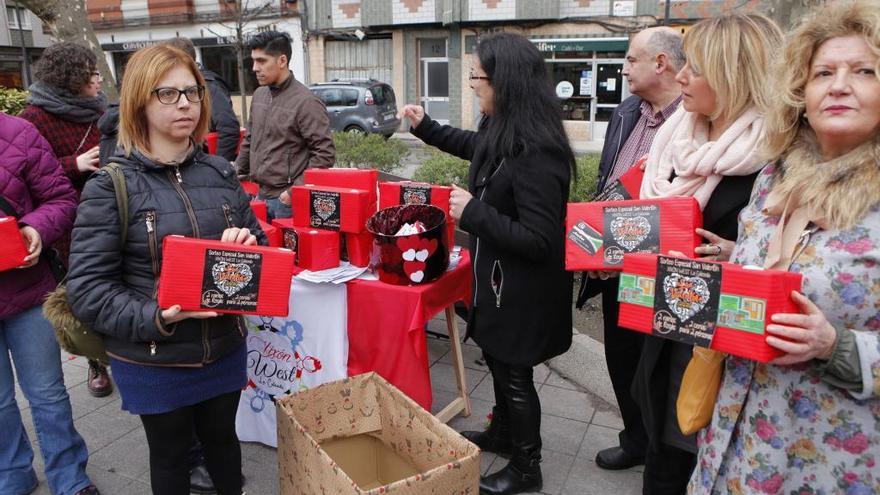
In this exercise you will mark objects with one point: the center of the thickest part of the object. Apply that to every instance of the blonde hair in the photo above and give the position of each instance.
(144, 71)
(734, 52)
(836, 20)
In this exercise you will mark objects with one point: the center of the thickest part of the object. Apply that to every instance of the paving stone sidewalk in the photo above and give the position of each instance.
(574, 426)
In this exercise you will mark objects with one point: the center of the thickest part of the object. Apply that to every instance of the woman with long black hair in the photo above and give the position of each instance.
(521, 168)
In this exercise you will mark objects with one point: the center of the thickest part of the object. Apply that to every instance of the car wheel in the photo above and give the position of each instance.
(355, 128)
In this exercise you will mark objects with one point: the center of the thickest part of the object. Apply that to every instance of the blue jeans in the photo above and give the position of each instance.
(29, 340)
(277, 209)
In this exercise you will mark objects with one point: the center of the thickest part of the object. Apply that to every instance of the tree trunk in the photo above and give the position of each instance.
(69, 21)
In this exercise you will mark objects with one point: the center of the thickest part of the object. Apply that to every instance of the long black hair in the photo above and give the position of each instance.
(526, 115)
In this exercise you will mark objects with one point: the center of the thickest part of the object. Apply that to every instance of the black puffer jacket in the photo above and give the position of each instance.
(112, 288)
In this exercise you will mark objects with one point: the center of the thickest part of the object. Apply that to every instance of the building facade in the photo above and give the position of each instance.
(423, 47)
(22, 39)
(124, 26)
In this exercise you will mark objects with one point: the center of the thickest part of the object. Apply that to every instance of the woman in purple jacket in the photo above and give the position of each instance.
(35, 188)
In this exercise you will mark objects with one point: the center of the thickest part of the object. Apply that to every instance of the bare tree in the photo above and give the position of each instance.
(69, 21)
(243, 18)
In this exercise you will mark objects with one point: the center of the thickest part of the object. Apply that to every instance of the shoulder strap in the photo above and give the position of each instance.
(115, 171)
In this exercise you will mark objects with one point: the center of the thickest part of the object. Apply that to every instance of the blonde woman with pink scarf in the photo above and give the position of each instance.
(708, 149)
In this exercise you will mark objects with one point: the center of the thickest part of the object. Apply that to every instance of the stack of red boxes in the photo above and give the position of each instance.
(417, 193)
(206, 275)
(12, 247)
(720, 305)
(599, 233)
(316, 249)
(261, 211)
(334, 199)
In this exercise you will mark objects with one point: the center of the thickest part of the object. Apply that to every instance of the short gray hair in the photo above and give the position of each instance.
(669, 42)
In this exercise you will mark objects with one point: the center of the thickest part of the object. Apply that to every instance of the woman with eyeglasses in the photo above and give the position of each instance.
(64, 104)
(178, 370)
(514, 210)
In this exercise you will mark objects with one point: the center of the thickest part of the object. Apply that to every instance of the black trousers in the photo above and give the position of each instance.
(169, 437)
(518, 405)
(668, 470)
(622, 350)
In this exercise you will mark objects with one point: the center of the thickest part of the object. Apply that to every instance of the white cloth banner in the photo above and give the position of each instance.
(306, 349)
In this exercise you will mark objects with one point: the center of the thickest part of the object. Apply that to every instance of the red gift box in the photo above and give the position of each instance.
(331, 208)
(260, 210)
(272, 233)
(205, 275)
(417, 193)
(346, 178)
(12, 247)
(252, 189)
(316, 249)
(598, 234)
(359, 248)
(628, 186)
(698, 302)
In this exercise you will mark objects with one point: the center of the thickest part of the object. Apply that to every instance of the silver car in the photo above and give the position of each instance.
(359, 105)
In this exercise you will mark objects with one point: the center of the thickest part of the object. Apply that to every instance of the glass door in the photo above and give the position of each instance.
(609, 91)
(435, 88)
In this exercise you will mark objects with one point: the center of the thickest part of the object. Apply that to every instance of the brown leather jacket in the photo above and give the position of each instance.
(288, 131)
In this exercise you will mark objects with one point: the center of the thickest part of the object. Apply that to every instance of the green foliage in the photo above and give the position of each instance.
(356, 149)
(443, 169)
(584, 187)
(12, 101)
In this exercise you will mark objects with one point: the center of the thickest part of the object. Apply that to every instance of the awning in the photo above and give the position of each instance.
(582, 45)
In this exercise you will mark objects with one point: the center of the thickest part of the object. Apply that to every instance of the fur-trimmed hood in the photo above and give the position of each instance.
(837, 193)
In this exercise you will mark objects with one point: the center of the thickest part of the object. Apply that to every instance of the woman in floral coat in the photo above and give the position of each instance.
(809, 422)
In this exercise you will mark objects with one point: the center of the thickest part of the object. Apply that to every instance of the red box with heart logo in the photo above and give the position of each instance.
(12, 249)
(260, 210)
(316, 249)
(736, 301)
(331, 208)
(272, 233)
(598, 234)
(346, 178)
(628, 186)
(205, 275)
(417, 193)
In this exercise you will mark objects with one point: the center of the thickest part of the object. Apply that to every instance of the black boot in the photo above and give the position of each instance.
(495, 438)
(522, 474)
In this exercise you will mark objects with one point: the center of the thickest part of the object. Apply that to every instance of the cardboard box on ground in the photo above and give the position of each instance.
(362, 435)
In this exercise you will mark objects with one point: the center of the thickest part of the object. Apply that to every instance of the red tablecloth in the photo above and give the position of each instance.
(386, 326)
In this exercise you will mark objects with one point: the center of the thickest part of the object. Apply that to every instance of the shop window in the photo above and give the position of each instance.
(10, 74)
(222, 60)
(579, 75)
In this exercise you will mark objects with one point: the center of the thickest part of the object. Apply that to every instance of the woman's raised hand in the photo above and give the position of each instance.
(415, 114)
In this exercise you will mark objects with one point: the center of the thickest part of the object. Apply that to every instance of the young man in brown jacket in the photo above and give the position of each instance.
(288, 130)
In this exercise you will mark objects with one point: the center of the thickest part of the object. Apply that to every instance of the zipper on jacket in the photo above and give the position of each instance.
(497, 286)
(227, 213)
(477, 248)
(153, 348)
(177, 173)
(150, 220)
(186, 202)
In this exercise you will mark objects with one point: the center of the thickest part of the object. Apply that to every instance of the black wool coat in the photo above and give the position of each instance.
(521, 311)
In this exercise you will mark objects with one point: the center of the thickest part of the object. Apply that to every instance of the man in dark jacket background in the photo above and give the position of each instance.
(223, 119)
(652, 61)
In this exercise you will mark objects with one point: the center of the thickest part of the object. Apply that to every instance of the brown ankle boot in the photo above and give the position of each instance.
(98, 382)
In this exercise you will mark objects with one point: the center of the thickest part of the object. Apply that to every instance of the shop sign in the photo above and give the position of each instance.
(565, 90)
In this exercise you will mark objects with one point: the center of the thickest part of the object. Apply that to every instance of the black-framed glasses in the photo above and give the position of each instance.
(170, 96)
(474, 77)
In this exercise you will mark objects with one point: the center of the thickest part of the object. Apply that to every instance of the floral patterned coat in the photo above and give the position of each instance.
(782, 429)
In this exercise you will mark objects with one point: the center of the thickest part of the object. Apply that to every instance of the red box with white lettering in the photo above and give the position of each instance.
(272, 233)
(417, 193)
(598, 234)
(346, 178)
(12, 247)
(719, 305)
(316, 249)
(207, 275)
(331, 208)
(260, 210)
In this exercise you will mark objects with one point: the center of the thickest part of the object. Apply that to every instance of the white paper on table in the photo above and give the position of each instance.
(341, 274)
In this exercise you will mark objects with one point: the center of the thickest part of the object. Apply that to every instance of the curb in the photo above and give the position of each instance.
(584, 364)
